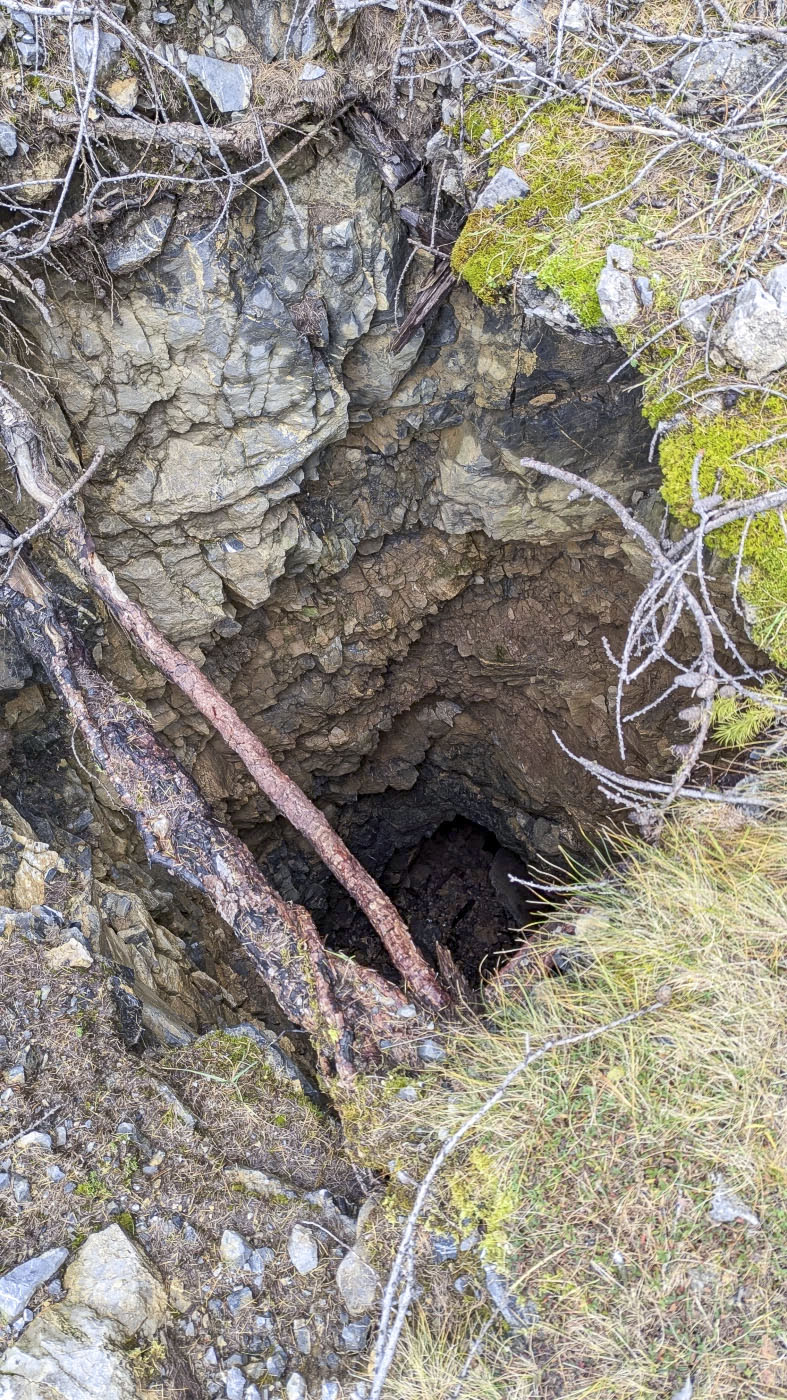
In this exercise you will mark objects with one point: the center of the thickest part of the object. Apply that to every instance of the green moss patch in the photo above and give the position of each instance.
(734, 463)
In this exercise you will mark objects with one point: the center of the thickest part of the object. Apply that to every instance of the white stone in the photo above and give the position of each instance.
(310, 72)
(236, 38)
(617, 297)
(505, 184)
(576, 21)
(727, 1208)
(34, 1140)
(296, 1387)
(8, 141)
(302, 1249)
(755, 336)
(70, 953)
(618, 255)
(82, 47)
(233, 1249)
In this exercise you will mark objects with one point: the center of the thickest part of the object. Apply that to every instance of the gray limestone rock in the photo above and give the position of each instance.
(302, 1249)
(755, 335)
(234, 1383)
(727, 1208)
(357, 1282)
(109, 1275)
(18, 1285)
(776, 285)
(233, 1249)
(8, 141)
(617, 293)
(296, 1387)
(139, 238)
(725, 63)
(505, 184)
(695, 316)
(83, 43)
(228, 84)
(77, 1349)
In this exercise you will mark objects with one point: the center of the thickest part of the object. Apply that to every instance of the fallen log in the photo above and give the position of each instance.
(26, 454)
(348, 1010)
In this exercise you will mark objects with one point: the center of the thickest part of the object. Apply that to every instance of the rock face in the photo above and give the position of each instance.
(399, 608)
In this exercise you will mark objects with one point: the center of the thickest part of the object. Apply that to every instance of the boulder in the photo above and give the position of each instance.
(109, 1275)
(228, 84)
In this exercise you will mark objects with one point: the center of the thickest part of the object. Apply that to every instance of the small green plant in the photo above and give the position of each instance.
(738, 721)
(93, 1188)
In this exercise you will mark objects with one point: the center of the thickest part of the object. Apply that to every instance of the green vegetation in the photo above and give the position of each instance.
(608, 1153)
(740, 460)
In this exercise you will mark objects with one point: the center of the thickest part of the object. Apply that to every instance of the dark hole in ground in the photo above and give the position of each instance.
(453, 888)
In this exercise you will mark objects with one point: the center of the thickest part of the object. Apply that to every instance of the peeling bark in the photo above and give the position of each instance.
(347, 1009)
(26, 454)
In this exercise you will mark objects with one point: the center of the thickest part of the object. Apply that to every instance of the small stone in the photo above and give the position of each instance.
(71, 953)
(354, 1335)
(15, 1076)
(695, 316)
(331, 1390)
(82, 44)
(258, 1259)
(444, 1248)
(21, 1189)
(123, 94)
(505, 184)
(296, 1387)
(617, 296)
(210, 1358)
(357, 1283)
(276, 1363)
(236, 38)
(163, 17)
(576, 21)
(727, 1208)
(34, 1141)
(755, 335)
(302, 1249)
(431, 1052)
(239, 1299)
(18, 1285)
(233, 1249)
(310, 72)
(521, 1317)
(686, 1390)
(725, 64)
(253, 1392)
(8, 141)
(235, 1383)
(228, 84)
(302, 1335)
(409, 1093)
(55, 1173)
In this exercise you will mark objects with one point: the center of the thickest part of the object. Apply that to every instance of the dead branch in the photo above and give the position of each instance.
(346, 1010)
(27, 457)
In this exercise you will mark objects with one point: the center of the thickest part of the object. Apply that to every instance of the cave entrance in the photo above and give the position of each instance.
(453, 888)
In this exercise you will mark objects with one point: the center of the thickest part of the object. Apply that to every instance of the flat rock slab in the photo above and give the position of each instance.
(18, 1285)
(228, 84)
